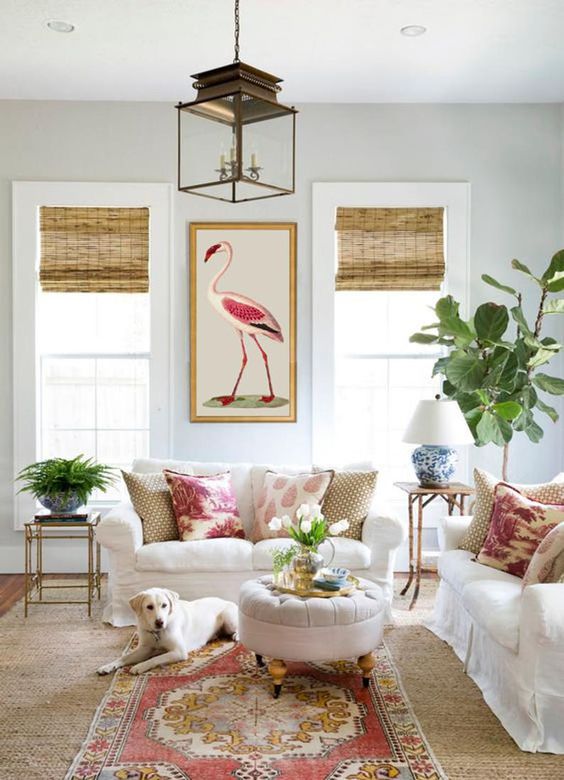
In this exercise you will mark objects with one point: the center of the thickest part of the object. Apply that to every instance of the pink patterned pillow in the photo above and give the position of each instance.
(204, 507)
(282, 494)
(517, 527)
(547, 564)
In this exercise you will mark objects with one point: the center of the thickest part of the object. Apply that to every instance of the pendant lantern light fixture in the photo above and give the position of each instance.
(236, 142)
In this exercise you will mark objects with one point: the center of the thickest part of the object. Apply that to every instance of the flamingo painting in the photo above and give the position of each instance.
(248, 317)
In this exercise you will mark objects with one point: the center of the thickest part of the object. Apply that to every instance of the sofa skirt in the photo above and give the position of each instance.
(533, 718)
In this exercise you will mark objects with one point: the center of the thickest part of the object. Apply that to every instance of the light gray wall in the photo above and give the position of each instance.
(511, 154)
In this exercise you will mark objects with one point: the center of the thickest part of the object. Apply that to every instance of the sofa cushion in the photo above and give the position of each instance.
(547, 564)
(348, 553)
(151, 500)
(216, 555)
(459, 568)
(205, 507)
(496, 607)
(473, 539)
(349, 497)
(282, 494)
(518, 526)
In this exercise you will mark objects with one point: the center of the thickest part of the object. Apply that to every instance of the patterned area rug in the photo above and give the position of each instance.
(214, 717)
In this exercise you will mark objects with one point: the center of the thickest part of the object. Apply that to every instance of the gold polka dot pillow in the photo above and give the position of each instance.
(282, 494)
(152, 501)
(485, 484)
(349, 498)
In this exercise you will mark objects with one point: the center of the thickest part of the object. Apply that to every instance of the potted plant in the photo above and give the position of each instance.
(492, 370)
(62, 485)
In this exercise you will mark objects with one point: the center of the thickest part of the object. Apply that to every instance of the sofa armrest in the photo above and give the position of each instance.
(451, 530)
(121, 530)
(382, 532)
(542, 614)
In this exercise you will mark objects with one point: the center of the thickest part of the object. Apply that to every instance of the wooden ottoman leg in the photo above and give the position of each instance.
(260, 659)
(277, 669)
(367, 664)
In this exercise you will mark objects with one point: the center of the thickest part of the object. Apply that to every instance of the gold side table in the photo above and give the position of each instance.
(37, 532)
(454, 495)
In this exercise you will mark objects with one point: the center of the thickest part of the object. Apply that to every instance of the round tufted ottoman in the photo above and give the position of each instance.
(285, 627)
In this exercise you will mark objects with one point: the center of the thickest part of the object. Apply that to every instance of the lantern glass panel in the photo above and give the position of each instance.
(203, 141)
(268, 144)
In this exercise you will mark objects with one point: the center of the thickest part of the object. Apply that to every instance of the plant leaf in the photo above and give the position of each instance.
(509, 410)
(549, 410)
(440, 366)
(458, 329)
(518, 266)
(465, 372)
(446, 307)
(519, 317)
(554, 307)
(542, 356)
(423, 338)
(553, 277)
(550, 384)
(498, 285)
(492, 428)
(534, 432)
(491, 321)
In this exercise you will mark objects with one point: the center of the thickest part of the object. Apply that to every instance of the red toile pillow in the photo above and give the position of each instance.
(517, 527)
(204, 507)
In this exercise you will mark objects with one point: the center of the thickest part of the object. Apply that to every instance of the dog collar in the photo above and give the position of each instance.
(155, 633)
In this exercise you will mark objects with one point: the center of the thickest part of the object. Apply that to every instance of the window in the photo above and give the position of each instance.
(92, 369)
(93, 377)
(366, 376)
(380, 376)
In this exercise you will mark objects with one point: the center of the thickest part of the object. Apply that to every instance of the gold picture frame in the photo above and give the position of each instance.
(243, 324)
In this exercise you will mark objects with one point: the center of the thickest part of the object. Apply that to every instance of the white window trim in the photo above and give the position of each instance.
(27, 198)
(327, 196)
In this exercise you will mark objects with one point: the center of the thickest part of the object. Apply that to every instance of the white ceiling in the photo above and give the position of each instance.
(326, 50)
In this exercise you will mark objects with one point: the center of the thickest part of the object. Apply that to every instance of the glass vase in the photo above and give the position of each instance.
(305, 566)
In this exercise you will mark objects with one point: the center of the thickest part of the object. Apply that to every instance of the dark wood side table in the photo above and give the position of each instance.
(455, 497)
(38, 531)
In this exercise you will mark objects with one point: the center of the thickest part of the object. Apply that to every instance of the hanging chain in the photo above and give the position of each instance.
(236, 31)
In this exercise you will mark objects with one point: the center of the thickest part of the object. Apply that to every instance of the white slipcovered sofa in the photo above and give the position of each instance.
(218, 567)
(510, 640)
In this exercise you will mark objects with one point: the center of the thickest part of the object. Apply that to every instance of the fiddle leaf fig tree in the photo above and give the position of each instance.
(492, 367)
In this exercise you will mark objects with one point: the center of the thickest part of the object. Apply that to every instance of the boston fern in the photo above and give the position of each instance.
(492, 373)
(60, 477)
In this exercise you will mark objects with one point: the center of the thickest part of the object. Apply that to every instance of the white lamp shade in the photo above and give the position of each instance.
(438, 422)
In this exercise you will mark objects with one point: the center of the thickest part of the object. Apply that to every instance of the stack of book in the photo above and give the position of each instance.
(45, 516)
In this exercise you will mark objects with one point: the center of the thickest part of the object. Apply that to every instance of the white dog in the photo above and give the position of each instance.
(169, 629)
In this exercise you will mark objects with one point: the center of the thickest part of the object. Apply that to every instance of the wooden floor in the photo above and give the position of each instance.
(12, 588)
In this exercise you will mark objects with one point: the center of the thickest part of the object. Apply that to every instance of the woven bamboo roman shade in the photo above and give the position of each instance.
(390, 249)
(94, 249)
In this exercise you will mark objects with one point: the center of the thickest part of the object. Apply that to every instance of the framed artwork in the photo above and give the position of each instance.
(243, 322)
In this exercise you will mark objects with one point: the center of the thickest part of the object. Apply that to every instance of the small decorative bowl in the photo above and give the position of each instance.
(334, 574)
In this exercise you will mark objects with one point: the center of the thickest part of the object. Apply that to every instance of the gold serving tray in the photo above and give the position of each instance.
(284, 585)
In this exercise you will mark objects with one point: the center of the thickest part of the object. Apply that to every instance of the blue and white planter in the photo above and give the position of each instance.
(434, 464)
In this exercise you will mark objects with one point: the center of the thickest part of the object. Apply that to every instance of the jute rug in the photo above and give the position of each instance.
(50, 694)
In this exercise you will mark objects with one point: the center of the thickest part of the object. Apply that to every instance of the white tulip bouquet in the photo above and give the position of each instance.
(310, 528)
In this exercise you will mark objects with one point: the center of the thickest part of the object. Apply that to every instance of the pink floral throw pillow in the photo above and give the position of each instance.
(547, 564)
(517, 527)
(204, 507)
(282, 494)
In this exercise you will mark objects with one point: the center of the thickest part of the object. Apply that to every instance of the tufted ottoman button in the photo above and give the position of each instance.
(293, 628)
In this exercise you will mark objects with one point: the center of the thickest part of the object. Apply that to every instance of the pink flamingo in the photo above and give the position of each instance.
(246, 316)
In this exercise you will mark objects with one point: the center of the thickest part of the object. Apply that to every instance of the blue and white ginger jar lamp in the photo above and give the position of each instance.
(436, 425)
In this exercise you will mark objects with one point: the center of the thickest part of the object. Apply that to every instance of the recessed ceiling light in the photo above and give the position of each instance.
(58, 25)
(413, 30)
